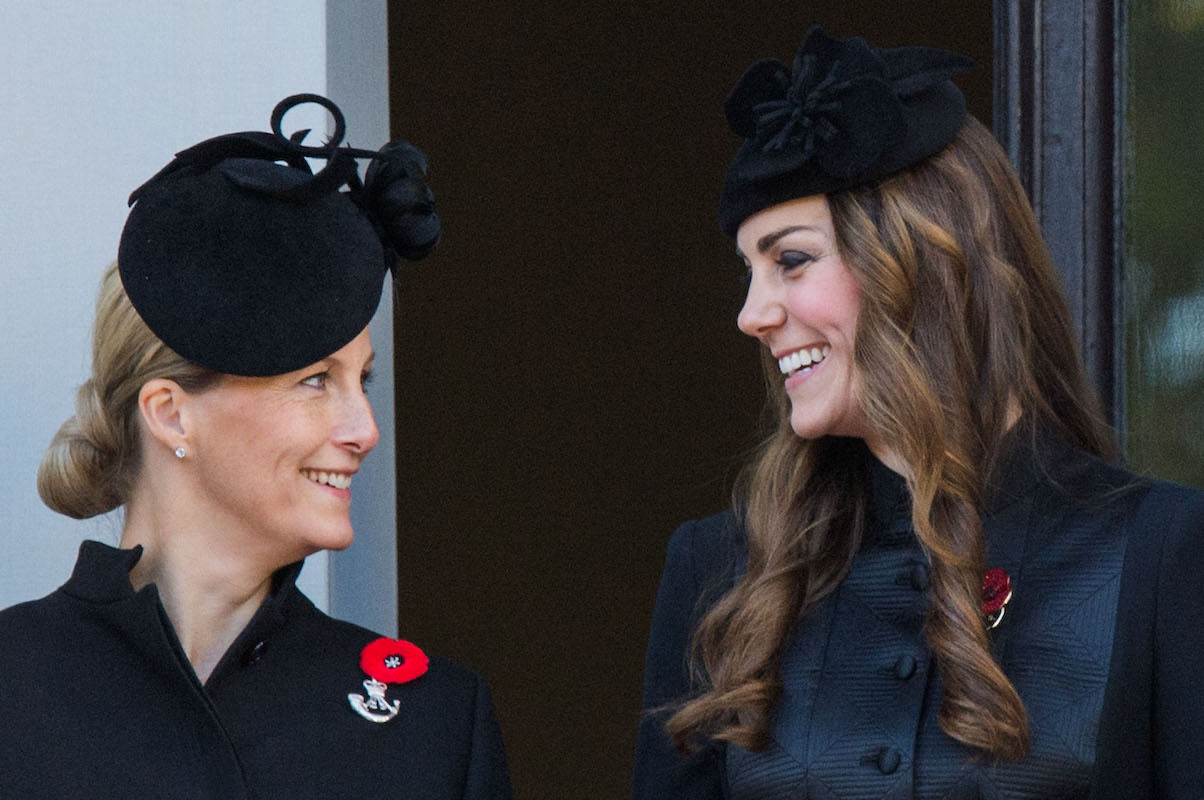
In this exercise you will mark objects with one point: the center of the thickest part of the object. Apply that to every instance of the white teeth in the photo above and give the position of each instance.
(338, 480)
(802, 358)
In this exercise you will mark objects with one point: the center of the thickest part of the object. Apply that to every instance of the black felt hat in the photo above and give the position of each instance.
(844, 115)
(242, 260)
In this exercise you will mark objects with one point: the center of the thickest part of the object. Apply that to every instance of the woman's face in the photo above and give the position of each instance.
(802, 304)
(274, 456)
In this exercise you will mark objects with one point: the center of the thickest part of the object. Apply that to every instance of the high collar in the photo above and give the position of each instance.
(102, 575)
(888, 496)
(1025, 462)
(102, 579)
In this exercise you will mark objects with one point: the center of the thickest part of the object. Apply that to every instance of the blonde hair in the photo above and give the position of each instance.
(92, 463)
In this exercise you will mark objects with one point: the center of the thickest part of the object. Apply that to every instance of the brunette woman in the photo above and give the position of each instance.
(936, 582)
(226, 416)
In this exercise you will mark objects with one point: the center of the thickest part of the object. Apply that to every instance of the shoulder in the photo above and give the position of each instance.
(1083, 478)
(703, 560)
(1160, 519)
(1177, 511)
(449, 703)
(31, 614)
(1155, 664)
(1167, 537)
(46, 628)
(336, 645)
(711, 549)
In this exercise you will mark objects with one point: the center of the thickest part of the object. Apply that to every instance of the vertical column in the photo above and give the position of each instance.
(363, 579)
(1058, 112)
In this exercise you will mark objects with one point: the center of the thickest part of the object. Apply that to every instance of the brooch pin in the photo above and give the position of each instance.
(386, 661)
(996, 592)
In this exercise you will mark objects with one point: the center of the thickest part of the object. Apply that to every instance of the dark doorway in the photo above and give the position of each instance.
(570, 382)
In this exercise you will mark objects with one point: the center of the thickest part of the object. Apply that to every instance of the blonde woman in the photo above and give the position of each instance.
(226, 416)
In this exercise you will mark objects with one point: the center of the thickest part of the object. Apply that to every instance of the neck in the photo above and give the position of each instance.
(888, 456)
(209, 590)
(895, 462)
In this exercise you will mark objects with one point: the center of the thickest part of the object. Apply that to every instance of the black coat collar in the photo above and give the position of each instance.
(102, 575)
(1027, 461)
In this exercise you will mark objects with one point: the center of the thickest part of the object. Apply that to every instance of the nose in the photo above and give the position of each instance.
(762, 311)
(357, 430)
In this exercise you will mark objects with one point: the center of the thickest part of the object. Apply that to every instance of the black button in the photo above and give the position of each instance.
(905, 667)
(919, 577)
(888, 760)
(255, 653)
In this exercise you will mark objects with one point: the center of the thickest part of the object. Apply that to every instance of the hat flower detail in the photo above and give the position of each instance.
(996, 593)
(835, 108)
(397, 197)
(843, 115)
(241, 258)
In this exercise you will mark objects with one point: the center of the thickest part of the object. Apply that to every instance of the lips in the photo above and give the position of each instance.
(337, 480)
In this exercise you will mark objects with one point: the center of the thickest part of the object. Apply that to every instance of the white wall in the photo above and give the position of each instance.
(96, 97)
(363, 578)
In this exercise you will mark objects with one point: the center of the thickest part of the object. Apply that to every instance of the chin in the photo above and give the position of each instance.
(805, 428)
(335, 540)
(335, 536)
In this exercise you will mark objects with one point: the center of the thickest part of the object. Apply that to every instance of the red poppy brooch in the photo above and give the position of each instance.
(996, 592)
(386, 661)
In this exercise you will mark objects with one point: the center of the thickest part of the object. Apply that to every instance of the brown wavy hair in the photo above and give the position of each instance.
(966, 337)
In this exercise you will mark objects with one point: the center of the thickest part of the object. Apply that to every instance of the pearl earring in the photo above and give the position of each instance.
(181, 452)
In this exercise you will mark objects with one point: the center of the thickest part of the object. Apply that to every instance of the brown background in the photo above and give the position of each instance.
(570, 382)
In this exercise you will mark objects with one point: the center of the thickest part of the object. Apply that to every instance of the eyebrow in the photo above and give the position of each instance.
(770, 239)
(367, 362)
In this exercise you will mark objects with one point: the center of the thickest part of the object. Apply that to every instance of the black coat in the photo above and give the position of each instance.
(97, 700)
(1103, 640)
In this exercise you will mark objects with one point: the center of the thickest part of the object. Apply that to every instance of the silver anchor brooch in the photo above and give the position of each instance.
(386, 661)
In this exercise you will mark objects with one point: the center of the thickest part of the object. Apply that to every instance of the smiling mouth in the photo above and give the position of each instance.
(802, 359)
(337, 480)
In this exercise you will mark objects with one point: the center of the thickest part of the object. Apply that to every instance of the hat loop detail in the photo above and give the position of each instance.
(292, 101)
(243, 260)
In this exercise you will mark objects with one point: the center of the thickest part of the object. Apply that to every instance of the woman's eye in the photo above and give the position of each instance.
(316, 381)
(367, 378)
(791, 259)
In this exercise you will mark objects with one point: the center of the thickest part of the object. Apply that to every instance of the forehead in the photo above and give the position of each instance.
(807, 213)
(356, 354)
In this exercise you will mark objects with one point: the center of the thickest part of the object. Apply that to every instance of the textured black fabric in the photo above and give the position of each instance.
(97, 700)
(252, 267)
(844, 115)
(1100, 639)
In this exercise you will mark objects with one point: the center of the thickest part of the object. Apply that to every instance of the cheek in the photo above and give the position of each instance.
(845, 302)
(833, 313)
(253, 442)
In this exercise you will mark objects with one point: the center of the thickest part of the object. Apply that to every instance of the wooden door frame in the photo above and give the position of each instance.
(1059, 113)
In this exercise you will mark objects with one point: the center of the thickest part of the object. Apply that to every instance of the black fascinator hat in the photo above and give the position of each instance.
(843, 115)
(243, 260)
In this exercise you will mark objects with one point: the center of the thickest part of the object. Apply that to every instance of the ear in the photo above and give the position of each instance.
(162, 403)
